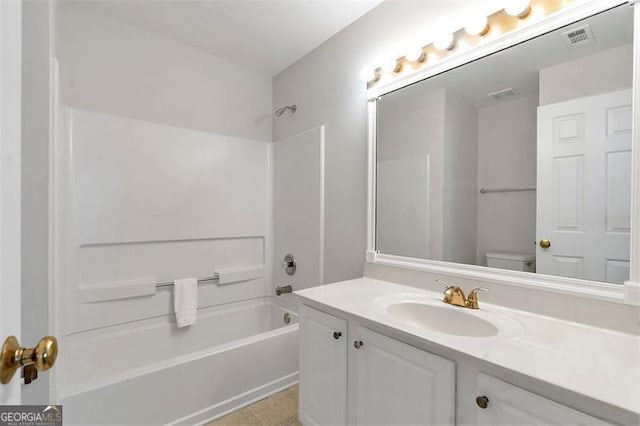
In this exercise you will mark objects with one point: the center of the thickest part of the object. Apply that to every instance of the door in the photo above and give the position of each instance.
(394, 383)
(24, 139)
(584, 188)
(10, 147)
(323, 368)
(510, 405)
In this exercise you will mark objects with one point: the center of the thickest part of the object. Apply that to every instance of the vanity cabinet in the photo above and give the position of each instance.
(391, 382)
(501, 403)
(388, 382)
(351, 374)
(323, 368)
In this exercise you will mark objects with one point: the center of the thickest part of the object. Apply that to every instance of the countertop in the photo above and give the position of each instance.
(595, 362)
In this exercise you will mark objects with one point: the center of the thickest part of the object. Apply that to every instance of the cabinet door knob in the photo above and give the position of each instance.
(357, 344)
(482, 401)
(337, 334)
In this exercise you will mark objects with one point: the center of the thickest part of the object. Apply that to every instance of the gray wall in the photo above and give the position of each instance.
(507, 158)
(326, 87)
(601, 72)
(460, 180)
(108, 66)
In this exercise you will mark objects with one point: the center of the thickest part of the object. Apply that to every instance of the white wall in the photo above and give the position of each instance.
(507, 158)
(112, 67)
(326, 87)
(601, 72)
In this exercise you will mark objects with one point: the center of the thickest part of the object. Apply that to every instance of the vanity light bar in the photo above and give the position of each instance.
(519, 8)
(508, 18)
(477, 26)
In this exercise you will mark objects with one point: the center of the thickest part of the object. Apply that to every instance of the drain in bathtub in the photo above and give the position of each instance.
(287, 318)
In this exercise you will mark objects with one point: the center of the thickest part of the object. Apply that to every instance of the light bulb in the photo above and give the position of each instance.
(444, 42)
(368, 74)
(519, 8)
(415, 55)
(391, 65)
(477, 26)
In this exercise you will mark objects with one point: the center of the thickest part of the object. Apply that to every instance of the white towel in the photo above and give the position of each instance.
(185, 301)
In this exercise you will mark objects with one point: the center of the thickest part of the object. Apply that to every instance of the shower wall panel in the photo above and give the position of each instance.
(144, 202)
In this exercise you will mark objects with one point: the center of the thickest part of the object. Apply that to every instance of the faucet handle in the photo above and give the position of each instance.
(472, 298)
(445, 284)
(452, 294)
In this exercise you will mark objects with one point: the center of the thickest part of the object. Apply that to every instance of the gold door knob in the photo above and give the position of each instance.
(43, 356)
(544, 243)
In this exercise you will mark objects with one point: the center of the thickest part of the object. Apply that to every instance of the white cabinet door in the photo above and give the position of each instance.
(511, 405)
(584, 187)
(393, 383)
(323, 368)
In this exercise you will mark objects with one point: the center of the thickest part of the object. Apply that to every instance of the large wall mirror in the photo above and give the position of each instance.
(520, 160)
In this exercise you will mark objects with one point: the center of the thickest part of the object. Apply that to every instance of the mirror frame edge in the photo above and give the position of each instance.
(629, 293)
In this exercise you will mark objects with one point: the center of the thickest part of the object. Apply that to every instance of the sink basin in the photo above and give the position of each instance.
(442, 319)
(426, 314)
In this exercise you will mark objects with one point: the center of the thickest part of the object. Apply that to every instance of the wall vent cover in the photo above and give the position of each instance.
(502, 94)
(579, 36)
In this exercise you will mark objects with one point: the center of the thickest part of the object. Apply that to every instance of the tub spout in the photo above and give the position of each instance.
(283, 289)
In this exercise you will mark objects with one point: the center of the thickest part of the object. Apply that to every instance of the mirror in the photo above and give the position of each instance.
(520, 160)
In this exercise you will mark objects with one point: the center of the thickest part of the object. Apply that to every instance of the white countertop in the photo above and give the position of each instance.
(595, 362)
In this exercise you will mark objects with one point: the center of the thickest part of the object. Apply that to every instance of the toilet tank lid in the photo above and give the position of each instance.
(511, 256)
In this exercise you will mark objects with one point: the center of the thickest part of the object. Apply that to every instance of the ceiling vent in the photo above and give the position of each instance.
(579, 36)
(504, 94)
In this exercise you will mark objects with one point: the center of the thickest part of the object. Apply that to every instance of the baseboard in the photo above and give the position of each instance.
(232, 404)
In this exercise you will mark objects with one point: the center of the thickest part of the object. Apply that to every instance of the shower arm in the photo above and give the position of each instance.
(281, 110)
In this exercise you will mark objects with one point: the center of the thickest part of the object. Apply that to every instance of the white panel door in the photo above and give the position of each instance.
(10, 159)
(393, 383)
(584, 187)
(509, 405)
(323, 368)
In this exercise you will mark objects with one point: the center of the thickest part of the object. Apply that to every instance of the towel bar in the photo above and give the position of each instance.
(200, 281)
(226, 276)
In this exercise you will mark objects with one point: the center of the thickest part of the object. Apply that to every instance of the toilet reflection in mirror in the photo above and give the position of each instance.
(520, 160)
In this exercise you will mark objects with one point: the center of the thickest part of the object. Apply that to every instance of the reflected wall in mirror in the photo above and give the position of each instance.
(520, 160)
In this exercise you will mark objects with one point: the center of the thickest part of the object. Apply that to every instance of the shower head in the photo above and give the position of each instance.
(281, 110)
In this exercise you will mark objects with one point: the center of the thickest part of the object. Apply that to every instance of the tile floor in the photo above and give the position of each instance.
(280, 409)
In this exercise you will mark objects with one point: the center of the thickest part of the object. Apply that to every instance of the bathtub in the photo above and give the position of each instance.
(151, 372)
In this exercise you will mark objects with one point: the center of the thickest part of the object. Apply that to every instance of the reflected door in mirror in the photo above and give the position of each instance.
(584, 187)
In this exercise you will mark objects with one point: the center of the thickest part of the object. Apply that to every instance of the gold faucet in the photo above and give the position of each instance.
(453, 295)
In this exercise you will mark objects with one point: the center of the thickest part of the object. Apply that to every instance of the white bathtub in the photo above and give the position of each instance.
(150, 372)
